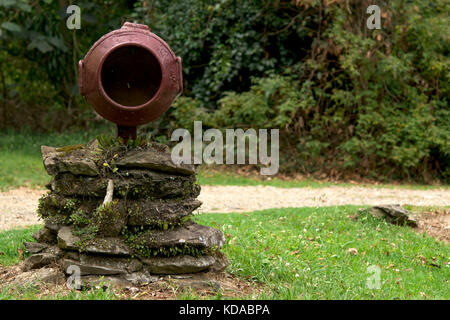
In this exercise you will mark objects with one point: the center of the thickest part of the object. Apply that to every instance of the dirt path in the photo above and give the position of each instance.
(18, 207)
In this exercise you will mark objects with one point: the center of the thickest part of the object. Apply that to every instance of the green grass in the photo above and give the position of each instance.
(274, 246)
(302, 253)
(31, 292)
(226, 178)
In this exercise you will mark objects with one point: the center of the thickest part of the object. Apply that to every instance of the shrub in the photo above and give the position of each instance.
(372, 103)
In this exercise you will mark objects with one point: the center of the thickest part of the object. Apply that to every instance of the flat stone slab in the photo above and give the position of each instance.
(154, 159)
(394, 214)
(78, 161)
(37, 276)
(178, 264)
(148, 212)
(38, 260)
(131, 184)
(191, 234)
(111, 245)
(45, 235)
(100, 265)
(124, 281)
(35, 247)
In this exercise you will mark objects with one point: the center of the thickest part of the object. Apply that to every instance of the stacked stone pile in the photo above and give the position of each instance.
(122, 211)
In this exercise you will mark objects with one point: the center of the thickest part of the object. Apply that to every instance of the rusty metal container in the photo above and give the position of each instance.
(130, 76)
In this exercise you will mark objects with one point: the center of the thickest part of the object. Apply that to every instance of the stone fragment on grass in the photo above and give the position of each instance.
(394, 214)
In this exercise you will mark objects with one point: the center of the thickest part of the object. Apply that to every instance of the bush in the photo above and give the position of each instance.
(348, 100)
(370, 103)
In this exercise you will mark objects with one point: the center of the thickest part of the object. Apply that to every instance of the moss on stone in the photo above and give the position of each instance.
(68, 149)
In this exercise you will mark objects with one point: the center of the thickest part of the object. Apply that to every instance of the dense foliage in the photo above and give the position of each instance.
(348, 100)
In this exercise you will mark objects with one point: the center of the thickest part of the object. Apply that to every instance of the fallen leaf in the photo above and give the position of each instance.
(20, 251)
(352, 251)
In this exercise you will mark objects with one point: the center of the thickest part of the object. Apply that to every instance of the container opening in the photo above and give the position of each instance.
(131, 75)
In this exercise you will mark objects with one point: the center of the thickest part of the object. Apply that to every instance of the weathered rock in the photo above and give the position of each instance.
(178, 264)
(67, 240)
(55, 250)
(155, 213)
(131, 184)
(191, 234)
(221, 262)
(394, 214)
(110, 219)
(35, 247)
(87, 269)
(45, 235)
(101, 265)
(72, 255)
(38, 260)
(110, 245)
(53, 224)
(55, 205)
(154, 159)
(78, 161)
(44, 275)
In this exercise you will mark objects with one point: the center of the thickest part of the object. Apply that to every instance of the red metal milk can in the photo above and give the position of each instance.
(130, 76)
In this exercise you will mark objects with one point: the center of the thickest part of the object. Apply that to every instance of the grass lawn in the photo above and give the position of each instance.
(228, 178)
(309, 253)
(21, 164)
